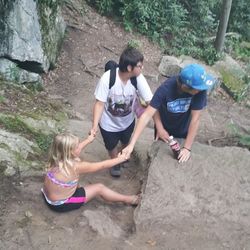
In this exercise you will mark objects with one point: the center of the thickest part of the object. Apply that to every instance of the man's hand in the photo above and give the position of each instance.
(93, 131)
(127, 151)
(122, 156)
(162, 134)
(184, 155)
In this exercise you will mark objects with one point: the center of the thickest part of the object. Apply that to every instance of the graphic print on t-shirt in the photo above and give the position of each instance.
(119, 105)
(179, 105)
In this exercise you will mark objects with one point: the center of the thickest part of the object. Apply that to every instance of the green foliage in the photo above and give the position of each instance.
(43, 141)
(14, 73)
(52, 4)
(240, 18)
(48, 14)
(179, 26)
(154, 18)
(13, 124)
(165, 21)
(245, 140)
(243, 137)
(239, 48)
(2, 99)
(134, 44)
(35, 86)
(105, 6)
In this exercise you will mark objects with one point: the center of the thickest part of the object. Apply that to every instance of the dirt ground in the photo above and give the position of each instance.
(26, 222)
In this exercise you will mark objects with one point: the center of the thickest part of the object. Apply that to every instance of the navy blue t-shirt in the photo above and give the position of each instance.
(175, 108)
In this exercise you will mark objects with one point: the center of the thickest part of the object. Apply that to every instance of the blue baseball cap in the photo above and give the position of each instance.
(195, 76)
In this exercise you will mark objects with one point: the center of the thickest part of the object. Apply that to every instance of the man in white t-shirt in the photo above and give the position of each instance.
(113, 109)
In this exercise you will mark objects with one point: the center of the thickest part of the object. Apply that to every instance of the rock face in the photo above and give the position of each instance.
(11, 72)
(208, 193)
(14, 151)
(31, 33)
(17, 152)
(169, 66)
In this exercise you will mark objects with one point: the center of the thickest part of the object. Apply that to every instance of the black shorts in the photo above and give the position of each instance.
(74, 202)
(111, 139)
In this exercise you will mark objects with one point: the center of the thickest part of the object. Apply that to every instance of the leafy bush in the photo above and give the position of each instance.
(179, 26)
(239, 48)
(240, 18)
(134, 44)
(243, 137)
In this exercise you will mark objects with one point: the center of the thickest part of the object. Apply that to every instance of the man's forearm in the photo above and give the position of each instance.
(142, 123)
(192, 132)
(97, 112)
(157, 120)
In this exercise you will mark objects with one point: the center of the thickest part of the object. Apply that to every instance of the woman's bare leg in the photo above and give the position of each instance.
(107, 194)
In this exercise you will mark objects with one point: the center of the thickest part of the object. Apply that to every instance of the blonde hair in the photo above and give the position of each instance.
(61, 153)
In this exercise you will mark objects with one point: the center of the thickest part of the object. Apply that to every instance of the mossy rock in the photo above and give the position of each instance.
(237, 87)
(39, 131)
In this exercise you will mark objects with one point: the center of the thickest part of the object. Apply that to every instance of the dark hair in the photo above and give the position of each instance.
(130, 56)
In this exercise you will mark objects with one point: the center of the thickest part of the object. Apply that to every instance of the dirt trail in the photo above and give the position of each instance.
(27, 223)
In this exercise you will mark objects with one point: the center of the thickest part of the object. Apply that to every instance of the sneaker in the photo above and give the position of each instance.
(115, 171)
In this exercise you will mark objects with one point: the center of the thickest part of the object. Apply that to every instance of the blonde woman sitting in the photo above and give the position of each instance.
(61, 190)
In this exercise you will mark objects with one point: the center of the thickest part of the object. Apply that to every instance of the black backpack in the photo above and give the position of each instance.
(112, 65)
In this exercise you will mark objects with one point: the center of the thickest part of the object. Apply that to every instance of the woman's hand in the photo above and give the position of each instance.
(83, 144)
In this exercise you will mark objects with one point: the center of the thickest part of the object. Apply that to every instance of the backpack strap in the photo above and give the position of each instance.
(112, 77)
(134, 82)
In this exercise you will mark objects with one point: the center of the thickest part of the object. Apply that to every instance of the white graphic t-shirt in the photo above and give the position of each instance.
(118, 112)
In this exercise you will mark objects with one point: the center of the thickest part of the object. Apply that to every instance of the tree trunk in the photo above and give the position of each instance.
(220, 37)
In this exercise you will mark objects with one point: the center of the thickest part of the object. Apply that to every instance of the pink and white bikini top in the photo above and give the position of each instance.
(52, 177)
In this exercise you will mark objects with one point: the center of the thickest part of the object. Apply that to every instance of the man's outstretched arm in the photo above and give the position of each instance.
(97, 113)
(192, 131)
(141, 124)
(161, 132)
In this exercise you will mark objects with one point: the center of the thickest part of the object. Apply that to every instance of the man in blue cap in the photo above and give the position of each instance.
(176, 107)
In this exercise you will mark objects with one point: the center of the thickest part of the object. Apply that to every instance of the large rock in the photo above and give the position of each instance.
(235, 78)
(207, 198)
(10, 71)
(169, 66)
(31, 33)
(14, 151)
(228, 63)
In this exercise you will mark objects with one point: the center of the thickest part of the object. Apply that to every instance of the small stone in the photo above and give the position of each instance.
(151, 242)
(28, 214)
